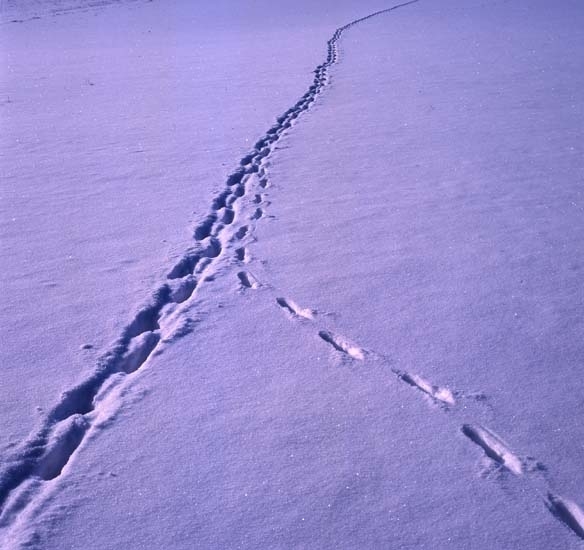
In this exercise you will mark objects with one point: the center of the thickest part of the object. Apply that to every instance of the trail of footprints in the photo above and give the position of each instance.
(228, 226)
(494, 447)
(164, 317)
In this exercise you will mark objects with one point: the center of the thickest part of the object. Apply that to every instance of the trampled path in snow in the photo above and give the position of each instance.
(222, 249)
(162, 319)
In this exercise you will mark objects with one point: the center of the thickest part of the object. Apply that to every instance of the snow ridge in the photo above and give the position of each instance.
(45, 455)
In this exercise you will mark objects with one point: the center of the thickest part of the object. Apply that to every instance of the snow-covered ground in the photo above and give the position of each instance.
(120, 125)
(370, 334)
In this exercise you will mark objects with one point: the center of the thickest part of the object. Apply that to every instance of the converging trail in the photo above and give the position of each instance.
(163, 318)
(222, 255)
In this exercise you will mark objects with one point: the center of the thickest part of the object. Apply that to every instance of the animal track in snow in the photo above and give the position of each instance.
(444, 395)
(67, 437)
(203, 230)
(236, 177)
(220, 201)
(139, 351)
(494, 448)
(257, 214)
(183, 290)
(208, 248)
(146, 319)
(568, 512)
(228, 216)
(241, 232)
(185, 266)
(239, 190)
(247, 280)
(342, 345)
(294, 309)
(45, 453)
(241, 254)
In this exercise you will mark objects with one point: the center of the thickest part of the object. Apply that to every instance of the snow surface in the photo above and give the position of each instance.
(371, 334)
(121, 125)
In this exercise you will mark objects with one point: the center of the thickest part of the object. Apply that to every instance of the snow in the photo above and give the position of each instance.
(108, 156)
(370, 334)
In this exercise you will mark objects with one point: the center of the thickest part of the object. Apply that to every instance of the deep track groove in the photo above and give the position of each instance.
(44, 455)
(567, 512)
